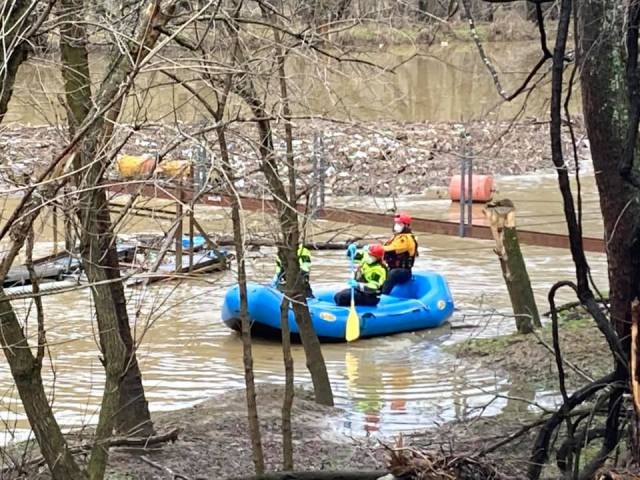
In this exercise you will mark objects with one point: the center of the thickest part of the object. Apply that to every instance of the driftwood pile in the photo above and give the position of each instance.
(415, 464)
(618, 475)
(370, 158)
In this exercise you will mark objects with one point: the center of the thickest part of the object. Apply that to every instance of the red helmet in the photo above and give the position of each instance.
(403, 218)
(376, 251)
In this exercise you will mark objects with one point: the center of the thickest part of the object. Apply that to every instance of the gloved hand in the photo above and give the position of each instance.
(352, 283)
(351, 250)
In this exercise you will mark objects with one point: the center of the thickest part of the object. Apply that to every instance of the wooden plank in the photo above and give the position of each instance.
(373, 219)
(202, 263)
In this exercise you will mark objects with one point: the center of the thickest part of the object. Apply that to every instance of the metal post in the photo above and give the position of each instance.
(191, 214)
(179, 229)
(323, 169)
(470, 194)
(313, 201)
(463, 165)
(54, 211)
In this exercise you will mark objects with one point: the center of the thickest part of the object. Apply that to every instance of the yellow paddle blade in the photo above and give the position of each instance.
(353, 324)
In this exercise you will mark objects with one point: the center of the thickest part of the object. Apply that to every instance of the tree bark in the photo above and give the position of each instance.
(26, 373)
(605, 102)
(75, 62)
(14, 21)
(238, 237)
(98, 248)
(514, 269)
(287, 402)
(26, 369)
(599, 26)
(605, 106)
(286, 205)
(247, 357)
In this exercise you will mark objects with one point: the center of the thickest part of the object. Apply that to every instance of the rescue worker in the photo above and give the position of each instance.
(304, 260)
(369, 277)
(400, 252)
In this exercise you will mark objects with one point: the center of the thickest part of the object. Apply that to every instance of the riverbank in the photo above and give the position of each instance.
(213, 439)
(528, 360)
(367, 158)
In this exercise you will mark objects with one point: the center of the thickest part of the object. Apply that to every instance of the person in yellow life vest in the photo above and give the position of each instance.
(400, 252)
(369, 277)
(304, 260)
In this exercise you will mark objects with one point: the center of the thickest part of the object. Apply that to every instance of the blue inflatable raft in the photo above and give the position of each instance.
(423, 302)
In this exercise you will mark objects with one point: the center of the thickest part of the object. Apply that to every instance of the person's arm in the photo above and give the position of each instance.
(399, 244)
(305, 263)
(374, 284)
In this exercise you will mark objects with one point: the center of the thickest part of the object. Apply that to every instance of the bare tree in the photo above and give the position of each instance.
(286, 204)
(97, 240)
(611, 108)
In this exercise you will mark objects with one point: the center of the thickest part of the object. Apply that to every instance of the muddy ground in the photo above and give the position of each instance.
(529, 359)
(377, 158)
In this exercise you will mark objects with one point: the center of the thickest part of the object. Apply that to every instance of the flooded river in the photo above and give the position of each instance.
(426, 86)
(385, 385)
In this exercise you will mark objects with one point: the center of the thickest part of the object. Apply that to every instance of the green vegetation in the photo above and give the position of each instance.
(529, 357)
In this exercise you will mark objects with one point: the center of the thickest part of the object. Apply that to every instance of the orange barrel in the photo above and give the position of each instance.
(482, 190)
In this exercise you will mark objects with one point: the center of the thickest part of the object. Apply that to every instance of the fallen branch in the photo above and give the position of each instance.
(256, 241)
(174, 475)
(572, 305)
(142, 442)
(170, 436)
(320, 475)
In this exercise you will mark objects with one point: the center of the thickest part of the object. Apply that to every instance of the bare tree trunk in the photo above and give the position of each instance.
(98, 241)
(599, 27)
(501, 216)
(289, 226)
(13, 22)
(227, 171)
(26, 372)
(94, 219)
(605, 104)
(287, 402)
(247, 357)
(26, 369)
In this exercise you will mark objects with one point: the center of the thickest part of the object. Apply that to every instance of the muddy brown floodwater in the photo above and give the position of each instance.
(448, 82)
(385, 385)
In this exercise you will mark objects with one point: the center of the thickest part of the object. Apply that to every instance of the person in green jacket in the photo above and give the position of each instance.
(369, 277)
(304, 260)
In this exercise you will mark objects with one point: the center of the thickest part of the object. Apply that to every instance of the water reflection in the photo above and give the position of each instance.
(385, 385)
(448, 83)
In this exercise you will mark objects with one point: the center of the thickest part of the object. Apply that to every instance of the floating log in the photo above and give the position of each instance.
(255, 241)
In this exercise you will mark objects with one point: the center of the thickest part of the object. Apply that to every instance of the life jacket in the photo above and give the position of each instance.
(304, 260)
(373, 275)
(401, 250)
